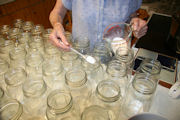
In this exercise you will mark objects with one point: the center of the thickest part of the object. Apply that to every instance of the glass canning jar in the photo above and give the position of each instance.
(117, 71)
(24, 38)
(53, 73)
(18, 23)
(102, 51)
(68, 36)
(17, 57)
(37, 43)
(139, 95)
(34, 90)
(38, 30)
(5, 48)
(95, 112)
(27, 26)
(46, 34)
(14, 79)
(34, 62)
(70, 60)
(126, 55)
(95, 72)
(11, 110)
(150, 67)
(81, 44)
(61, 106)
(108, 95)
(4, 30)
(15, 34)
(79, 86)
(3, 69)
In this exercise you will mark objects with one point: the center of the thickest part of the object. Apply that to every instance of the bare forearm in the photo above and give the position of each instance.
(58, 13)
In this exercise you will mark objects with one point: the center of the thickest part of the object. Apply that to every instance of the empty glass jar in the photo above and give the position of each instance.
(117, 71)
(53, 73)
(37, 43)
(27, 26)
(80, 87)
(108, 95)
(61, 106)
(10, 110)
(38, 30)
(3, 69)
(18, 23)
(15, 34)
(4, 30)
(34, 90)
(14, 79)
(24, 38)
(139, 95)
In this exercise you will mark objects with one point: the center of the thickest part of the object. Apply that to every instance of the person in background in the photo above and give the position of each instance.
(91, 17)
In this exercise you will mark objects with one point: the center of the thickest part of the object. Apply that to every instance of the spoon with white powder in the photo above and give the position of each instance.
(88, 58)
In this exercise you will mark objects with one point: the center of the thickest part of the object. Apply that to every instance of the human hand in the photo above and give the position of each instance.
(57, 37)
(139, 27)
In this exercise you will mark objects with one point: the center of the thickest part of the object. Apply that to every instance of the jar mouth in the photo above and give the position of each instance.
(75, 78)
(59, 101)
(15, 107)
(34, 88)
(69, 56)
(144, 84)
(108, 91)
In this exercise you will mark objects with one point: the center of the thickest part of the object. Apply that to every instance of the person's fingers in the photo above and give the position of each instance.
(135, 24)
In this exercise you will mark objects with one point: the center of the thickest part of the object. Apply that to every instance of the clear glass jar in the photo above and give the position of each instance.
(102, 51)
(17, 57)
(95, 72)
(27, 26)
(95, 112)
(70, 60)
(53, 73)
(11, 110)
(15, 34)
(24, 39)
(34, 62)
(150, 67)
(108, 95)
(117, 71)
(34, 90)
(46, 34)
(61, 106)
(14, 79)
(4, 30)
(139, 95)
(37, 43)
(38, 30)
(126, 55)
(80, 87)
(18, 23)
(3, 69)
(68, 36)
(5, 48)
(81, 44)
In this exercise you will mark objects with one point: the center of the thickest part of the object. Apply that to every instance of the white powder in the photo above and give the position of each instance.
(118, 42)
(90, 59)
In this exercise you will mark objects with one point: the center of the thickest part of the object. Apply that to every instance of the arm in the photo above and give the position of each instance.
(56, 19)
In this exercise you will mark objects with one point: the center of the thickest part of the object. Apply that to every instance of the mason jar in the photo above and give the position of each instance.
(117, 71)
(3, 69)
(81, 44)
(37, 43)
(53, 73)
(79, 86)
(61, 106)
(34, 90)
(5, 30)
(24, 38)
(18, 23)
(70, 60)
(126, 55)
(17, 57)
(27, 26)
(11, 110)
(102, 51)
(34, 62)
(46, 34)
(5, 48)
(14, 79)
(139, 95)
(95, 112)
(95, 72)
(38, 30)
(15, 34)
(150, 67)
(68, 36)
(108, 95)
